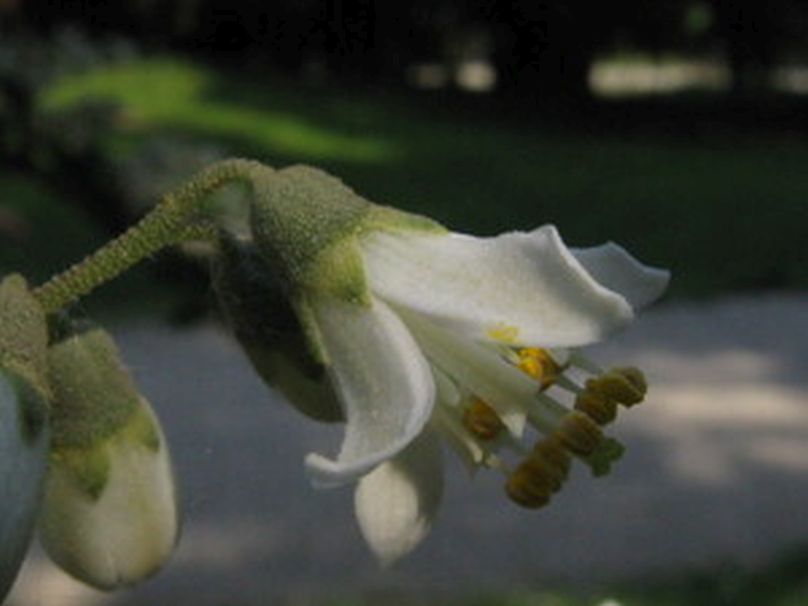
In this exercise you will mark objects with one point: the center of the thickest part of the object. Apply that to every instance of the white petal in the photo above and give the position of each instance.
(479, 368)
(617, 270)
(383, 382)
(518, 287)
(129, 531)
(395, 503)
(446, 392)
(22, 468)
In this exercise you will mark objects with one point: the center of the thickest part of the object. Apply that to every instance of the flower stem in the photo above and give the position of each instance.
(178, 216)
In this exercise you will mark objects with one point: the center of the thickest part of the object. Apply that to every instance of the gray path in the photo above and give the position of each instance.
(716, 471)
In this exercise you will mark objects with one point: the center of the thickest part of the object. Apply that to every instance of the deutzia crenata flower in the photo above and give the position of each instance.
(23, 422)
(109, 513)
(424, 335)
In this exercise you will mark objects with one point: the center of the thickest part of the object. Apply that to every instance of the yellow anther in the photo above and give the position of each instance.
(504, 333)
(539, 364)
(527, 488)
(580, 434)
(635, 376)
(552, 450)
(597, 405)
(544, 472)
(626, 386)
(482, 420)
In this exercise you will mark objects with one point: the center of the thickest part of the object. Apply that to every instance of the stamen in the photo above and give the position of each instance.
(635, 376)
(504, 333)
(580, 434)
(600, 407)
(482, 420)
(539, 475)
(522, 489)
(626, 386)
(552, 449)
(539, 364)
(578, 360)
(568, 384)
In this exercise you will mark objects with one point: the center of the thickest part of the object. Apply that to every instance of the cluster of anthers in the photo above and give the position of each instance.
(565, 432)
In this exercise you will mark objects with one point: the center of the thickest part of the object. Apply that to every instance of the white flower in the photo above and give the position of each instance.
(454, 311)
(23, 458)
(424, 333)
(451, 304)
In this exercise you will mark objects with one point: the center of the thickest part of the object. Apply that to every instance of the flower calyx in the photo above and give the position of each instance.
(264, 322)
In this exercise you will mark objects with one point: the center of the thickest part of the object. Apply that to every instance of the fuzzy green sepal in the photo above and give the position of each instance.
(387, 218)
(142, 429)
(303, 220)
(23, 333)
(270, 331)
(93, 394)
(89, 467)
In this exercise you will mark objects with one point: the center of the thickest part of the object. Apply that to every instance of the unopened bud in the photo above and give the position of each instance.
(24, 434)
(109, 514)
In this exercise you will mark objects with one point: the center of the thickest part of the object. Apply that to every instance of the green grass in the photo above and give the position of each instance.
(726, 213)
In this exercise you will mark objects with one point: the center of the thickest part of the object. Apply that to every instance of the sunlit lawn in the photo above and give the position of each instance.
(728, 213)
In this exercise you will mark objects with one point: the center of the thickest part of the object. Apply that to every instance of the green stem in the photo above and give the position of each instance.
(175, 218)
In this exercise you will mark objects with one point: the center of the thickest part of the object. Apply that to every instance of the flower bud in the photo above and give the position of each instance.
(268, 330)
(109, 514)
(23, 422)
(23, 459)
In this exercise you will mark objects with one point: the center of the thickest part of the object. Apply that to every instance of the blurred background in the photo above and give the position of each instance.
(678, 129)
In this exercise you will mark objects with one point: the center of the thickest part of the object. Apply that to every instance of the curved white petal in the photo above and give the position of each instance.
(382, 380)
(523, 288)
(23, 458)
(612, 266)
(395, 503)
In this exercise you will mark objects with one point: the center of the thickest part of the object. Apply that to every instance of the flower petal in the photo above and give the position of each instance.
(395, 503)
(612, 266)
(382, 380)
(521, 288)
(479, 368)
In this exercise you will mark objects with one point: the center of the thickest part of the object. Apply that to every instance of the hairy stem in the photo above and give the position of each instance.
(178, 216)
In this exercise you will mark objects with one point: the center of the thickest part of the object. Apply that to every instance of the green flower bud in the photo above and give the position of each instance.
(23, 332)
(23, 460)
(24, 434)
(109, 515)
(263, 321)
